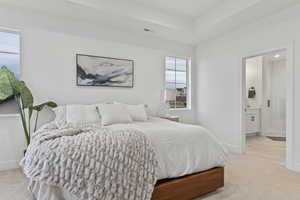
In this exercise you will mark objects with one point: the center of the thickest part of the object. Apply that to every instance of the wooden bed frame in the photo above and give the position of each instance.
(190, 186)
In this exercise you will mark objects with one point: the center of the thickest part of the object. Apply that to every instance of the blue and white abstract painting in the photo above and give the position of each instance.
(104, 71)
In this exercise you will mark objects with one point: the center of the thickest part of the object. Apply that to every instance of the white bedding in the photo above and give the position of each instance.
(181, 149)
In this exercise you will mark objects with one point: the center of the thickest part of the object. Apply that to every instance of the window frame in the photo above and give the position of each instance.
(15, 31)
(188, 82)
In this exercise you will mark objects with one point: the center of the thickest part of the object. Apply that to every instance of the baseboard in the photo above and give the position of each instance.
(11, 164)
(297, 167)
(273, 133)
(233, 148)
(253, 134)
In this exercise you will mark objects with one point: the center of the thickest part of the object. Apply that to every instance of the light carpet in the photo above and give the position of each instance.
(257, 175)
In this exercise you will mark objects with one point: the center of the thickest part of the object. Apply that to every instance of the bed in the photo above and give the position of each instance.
(190, 161)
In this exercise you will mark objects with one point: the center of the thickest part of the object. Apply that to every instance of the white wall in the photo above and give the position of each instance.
(12, 142)
(220, 68)
(49, 45)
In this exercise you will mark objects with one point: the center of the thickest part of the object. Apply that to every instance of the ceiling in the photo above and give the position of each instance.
(276, 56)
(188, 21)
(191, 8)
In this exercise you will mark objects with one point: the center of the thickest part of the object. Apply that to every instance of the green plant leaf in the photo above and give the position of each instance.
(6, 89)
(40, 107)
(26, 96)
(10, 85)
(30, 111)
(12, 80)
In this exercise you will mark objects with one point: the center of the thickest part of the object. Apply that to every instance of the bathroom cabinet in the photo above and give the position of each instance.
(253, 121)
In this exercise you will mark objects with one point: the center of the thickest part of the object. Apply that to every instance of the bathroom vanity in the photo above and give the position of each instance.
(252, 121)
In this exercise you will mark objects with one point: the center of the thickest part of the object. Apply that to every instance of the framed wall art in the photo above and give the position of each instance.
(104, 71)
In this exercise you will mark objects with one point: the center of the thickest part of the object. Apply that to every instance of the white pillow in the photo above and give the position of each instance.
(60, 116)
(82, 114)
(79, 116)
(148, 111)
(114, 114)
(136, 112)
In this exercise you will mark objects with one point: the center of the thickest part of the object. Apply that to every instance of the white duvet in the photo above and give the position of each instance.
(181, 149)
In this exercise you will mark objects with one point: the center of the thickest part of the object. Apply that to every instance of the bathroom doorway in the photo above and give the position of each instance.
(265, 92)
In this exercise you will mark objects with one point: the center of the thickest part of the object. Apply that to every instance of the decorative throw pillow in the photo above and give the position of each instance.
(113, 114)
(76, 116)
(82, 115)
(136, 112)
(148, 111)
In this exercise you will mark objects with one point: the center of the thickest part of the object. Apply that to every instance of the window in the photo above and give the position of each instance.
(10, 52)
(177, 82)
(10, 55)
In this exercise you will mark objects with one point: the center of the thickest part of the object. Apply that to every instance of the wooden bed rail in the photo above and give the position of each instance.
(190, 186)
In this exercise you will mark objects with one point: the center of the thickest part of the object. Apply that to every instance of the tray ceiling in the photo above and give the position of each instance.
(188, 22)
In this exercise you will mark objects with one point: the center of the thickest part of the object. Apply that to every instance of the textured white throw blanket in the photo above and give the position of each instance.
(93, 163)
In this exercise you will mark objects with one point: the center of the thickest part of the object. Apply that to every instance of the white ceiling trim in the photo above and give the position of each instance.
(235, 14)
(136, 12)
(133, 16)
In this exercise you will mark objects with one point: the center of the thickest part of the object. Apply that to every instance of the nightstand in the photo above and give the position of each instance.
(171, 118)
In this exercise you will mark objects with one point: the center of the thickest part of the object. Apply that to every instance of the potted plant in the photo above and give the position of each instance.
(10, 86)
